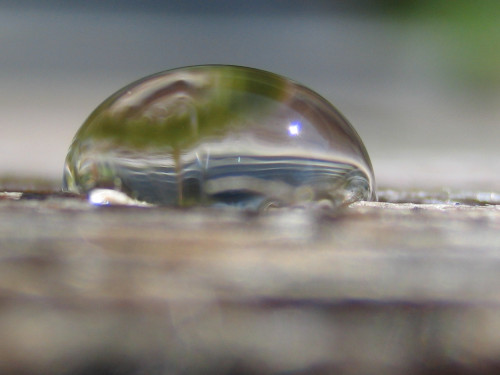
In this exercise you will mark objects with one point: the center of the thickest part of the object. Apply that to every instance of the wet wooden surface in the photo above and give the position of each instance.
(380, 288)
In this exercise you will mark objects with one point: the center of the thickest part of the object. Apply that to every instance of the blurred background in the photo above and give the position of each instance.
(419, 80)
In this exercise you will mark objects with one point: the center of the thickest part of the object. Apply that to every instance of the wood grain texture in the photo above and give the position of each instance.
(378, 288)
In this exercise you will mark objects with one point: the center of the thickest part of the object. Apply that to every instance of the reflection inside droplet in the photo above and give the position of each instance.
(219, 136)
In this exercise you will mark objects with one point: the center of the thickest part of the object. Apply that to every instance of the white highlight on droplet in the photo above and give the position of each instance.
(294, 129)
(105, 197)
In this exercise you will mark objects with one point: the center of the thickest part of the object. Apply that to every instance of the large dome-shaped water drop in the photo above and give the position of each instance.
(219, 135)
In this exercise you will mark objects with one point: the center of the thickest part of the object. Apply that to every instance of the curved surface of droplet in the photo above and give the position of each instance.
(220, 135)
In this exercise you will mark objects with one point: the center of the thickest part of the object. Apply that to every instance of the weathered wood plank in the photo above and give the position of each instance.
(378, 288)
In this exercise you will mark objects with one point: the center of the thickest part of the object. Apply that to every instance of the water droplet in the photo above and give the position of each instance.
(219, 135)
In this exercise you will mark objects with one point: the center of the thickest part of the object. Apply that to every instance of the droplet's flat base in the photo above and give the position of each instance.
(253, 183)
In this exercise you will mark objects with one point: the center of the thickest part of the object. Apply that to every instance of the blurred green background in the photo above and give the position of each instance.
(419, 80)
